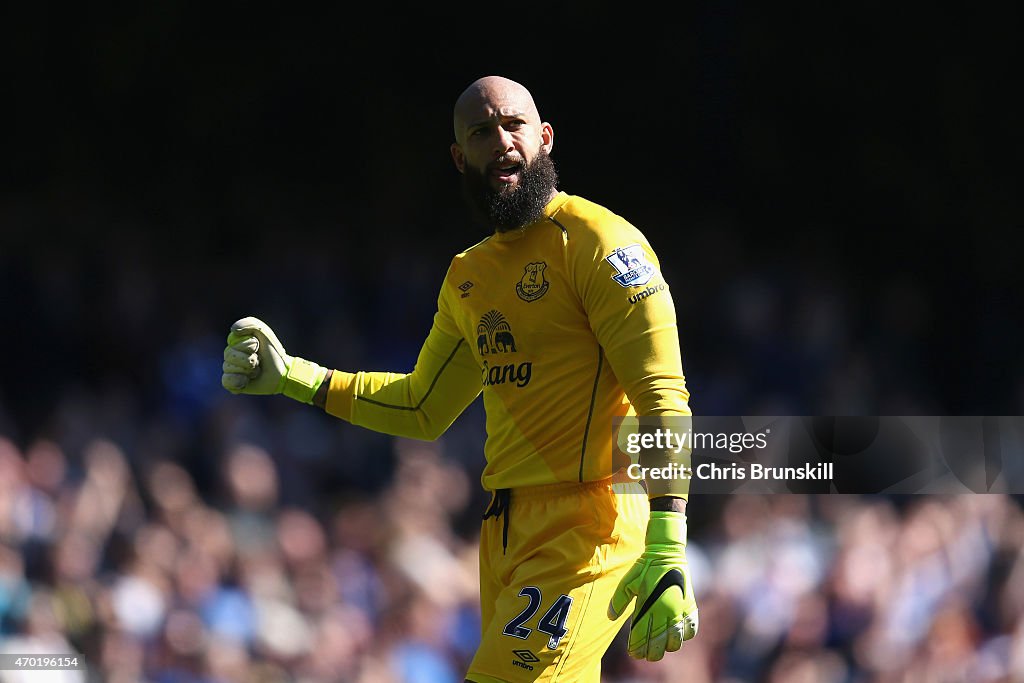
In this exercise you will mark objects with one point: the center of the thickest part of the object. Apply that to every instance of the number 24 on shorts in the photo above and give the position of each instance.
(551, 624)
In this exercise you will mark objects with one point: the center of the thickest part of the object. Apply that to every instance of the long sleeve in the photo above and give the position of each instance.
(619, 281)
(421, 404)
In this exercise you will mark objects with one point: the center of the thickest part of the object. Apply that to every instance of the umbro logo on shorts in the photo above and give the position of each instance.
(526, 659)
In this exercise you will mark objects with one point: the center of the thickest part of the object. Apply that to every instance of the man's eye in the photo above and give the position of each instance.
(514, 125)
(478, 132)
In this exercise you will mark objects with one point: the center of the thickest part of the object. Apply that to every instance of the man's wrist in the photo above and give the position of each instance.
(668, 504)
(303, 379)
(320, 397)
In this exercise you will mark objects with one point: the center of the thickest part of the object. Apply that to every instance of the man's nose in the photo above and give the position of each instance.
(503, 142)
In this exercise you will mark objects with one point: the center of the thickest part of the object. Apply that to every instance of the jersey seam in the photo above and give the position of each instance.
(564, 231)
(590, 413)
(563, 660)
(433, 383)
(569, 273)
(466, 251)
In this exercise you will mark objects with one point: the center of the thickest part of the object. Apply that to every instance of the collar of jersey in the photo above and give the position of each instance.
(554, 205)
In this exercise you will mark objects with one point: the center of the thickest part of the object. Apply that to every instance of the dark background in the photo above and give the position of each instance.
(833, 194)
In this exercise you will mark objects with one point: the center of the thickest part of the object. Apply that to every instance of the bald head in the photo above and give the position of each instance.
(498, 138)
(490, 98)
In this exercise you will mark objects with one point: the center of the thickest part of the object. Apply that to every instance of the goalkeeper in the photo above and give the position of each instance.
(562, 319)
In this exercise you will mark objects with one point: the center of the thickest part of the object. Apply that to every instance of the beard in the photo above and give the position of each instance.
(513, 207)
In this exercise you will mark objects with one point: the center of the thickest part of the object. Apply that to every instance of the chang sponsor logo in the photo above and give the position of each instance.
(494, 336)
(509, 373)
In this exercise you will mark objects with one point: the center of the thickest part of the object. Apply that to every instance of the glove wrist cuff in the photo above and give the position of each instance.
(666, 528)
(303, 379)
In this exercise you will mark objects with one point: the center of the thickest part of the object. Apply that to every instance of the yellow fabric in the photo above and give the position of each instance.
(571, 539)
(535, 319)
(481, 678)
(421, 404)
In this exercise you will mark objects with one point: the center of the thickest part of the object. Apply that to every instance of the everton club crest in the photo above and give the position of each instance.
(533, 285)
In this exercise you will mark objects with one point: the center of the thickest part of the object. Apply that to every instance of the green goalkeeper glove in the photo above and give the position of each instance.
(255, 362)
(666, 611)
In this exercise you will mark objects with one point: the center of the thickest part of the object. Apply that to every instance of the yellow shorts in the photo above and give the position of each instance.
(544, 597)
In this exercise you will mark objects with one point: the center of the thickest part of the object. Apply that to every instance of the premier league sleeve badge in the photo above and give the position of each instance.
(631, 266)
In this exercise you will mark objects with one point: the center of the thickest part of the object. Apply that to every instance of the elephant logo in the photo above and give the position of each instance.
(504, 340)
(494, 334)
(532, 286)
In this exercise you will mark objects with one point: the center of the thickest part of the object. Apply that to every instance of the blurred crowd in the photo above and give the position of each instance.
(172, 533)
(150, 577)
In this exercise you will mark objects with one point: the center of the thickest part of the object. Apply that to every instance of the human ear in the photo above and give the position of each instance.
(547, 137)
(458, 157)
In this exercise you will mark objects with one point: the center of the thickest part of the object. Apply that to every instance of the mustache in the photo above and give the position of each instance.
(506, 159)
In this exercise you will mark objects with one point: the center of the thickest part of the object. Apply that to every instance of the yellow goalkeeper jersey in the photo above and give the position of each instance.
(564, 326)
